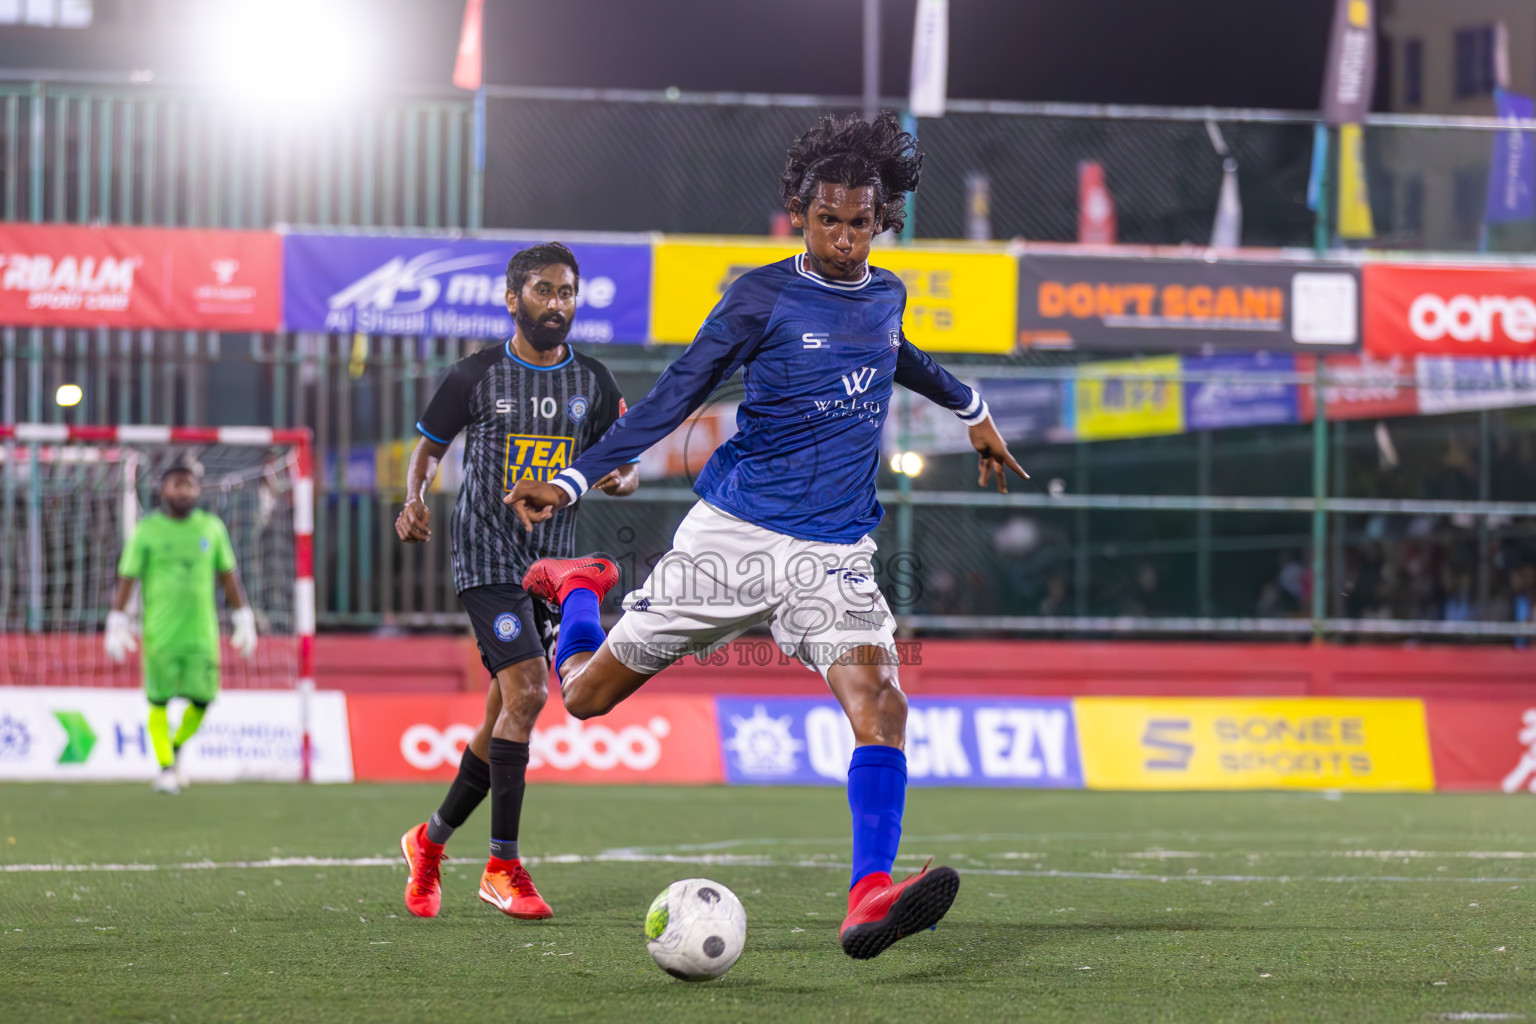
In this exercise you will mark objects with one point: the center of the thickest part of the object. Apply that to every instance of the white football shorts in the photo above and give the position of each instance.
(724, 576)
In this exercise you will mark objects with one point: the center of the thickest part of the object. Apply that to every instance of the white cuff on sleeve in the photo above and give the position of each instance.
(571, 482)
(974, 413)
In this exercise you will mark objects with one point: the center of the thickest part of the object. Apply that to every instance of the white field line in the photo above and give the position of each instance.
(728, 860)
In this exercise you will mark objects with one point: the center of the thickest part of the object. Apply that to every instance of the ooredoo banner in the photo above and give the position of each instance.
(1450, 311)
(963, 741)
(1169, 305)
(648, 738)
(1270, 743)
(59, 733)
(445, 287)
(60, 275)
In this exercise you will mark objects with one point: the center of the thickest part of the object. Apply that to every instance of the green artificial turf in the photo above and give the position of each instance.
(1074, 906)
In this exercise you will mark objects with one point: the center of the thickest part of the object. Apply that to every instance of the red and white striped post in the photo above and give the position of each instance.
(303, 475)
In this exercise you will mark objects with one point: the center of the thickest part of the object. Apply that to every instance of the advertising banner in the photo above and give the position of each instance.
(1269, 743)
(1024, 410)
(956, 301)
(1250, 396)
(1455, 385)
(59, 275)
(1350, 73)
(1450, 311)
(60, 733)
(344, 284)
(1130, 398)
(1512, 171)
(960, 741)
(1171, 305)
(648, 738)
(1361, 388)
(1483, 745)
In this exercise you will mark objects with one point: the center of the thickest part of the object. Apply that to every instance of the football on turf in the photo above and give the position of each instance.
(695, 929)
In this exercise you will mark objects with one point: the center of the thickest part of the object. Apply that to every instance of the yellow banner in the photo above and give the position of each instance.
(956, 301)
(1269, 743)
(1129, 398)
(1354, 199)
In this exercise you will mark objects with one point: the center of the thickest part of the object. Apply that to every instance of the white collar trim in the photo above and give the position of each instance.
(842, 286)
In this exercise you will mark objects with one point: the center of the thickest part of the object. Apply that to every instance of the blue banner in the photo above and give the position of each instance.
(1512, 172)
(1029, 410)
(1252, 396)
(958, 741)
(440, 287)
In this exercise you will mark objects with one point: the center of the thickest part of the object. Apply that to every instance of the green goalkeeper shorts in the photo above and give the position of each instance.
(168, 674)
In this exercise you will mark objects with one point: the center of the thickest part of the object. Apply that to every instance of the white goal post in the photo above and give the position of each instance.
(71, 495)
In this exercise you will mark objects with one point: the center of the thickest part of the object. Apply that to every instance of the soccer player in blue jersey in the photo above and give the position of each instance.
(780, 536)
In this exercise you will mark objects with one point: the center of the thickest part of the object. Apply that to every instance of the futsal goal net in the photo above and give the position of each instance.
(70, 496)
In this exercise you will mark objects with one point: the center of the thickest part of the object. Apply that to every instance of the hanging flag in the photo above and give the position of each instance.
(1351, 74)
(1095, 206)
(1227, 232)
(930, 59)
(1319, 166)
(1354, 198)
(1512, 172)
(468, 68)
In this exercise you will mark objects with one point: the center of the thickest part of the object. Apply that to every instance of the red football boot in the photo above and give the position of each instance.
(507, 887)
(882, 912)
(554, 578)
(423, 889)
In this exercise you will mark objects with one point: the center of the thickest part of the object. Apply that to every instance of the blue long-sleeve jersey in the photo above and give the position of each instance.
(819, 359)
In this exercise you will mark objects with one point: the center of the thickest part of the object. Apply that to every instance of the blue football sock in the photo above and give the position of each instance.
(877, 793)
(581, 625)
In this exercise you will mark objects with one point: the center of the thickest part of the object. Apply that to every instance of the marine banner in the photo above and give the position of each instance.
(955, 741)
(1266, 743)
(1117, 304)
(450, 287)
(1129, 398)
(956, 301)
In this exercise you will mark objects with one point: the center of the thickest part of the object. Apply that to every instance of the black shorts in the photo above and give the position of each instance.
(510, 625)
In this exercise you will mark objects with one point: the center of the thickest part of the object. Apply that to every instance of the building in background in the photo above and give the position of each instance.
(1443, 57)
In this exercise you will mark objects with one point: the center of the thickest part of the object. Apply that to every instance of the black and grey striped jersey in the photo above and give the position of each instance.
(520, 421)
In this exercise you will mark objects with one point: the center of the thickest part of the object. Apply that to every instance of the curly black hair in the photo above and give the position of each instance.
(854, 152)
(536, 258)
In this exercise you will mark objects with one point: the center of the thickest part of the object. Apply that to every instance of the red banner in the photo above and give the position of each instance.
(1362, 388)
(649, 738)
(1485, 745)
(59, 275)
(1450, 311)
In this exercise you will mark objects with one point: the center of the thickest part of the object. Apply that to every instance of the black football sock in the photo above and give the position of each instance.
(509, 765)
(473, 782)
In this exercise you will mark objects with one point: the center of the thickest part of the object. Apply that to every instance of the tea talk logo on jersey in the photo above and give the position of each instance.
(1279, 743)
(956, 301)
(535, 457)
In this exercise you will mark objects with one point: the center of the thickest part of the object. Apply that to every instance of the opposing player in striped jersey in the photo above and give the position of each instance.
(780, 536)
(527, 408)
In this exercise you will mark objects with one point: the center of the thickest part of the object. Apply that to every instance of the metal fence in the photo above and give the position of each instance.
(1204, 533)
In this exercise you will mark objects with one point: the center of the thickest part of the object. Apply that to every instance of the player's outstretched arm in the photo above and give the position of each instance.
(414, 523)
(994, 456)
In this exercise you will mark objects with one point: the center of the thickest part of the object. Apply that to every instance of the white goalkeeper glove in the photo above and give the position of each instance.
(244, 640)
(119, 640)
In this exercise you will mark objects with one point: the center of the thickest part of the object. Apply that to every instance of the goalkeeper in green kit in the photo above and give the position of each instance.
(175, 554)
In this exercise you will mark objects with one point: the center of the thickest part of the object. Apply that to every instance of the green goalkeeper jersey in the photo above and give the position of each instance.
(177, 562)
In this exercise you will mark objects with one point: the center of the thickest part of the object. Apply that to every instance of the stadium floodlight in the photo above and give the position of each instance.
(296, 54)
(68, 395)
(906, 463)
